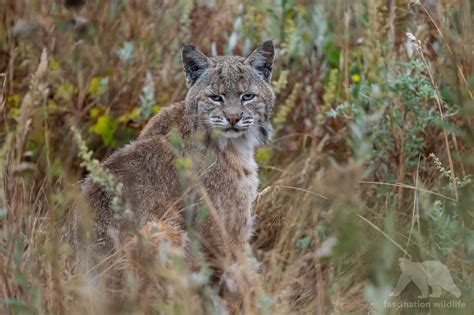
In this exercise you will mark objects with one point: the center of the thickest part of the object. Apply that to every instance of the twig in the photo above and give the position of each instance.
(384, 234)
(409, 187)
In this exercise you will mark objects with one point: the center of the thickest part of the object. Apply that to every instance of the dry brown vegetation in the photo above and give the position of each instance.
(371, 158)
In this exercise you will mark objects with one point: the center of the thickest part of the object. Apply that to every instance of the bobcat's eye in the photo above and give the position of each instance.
(216, 98)
(247, 97)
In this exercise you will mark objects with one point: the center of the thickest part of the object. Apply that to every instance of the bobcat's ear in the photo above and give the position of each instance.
(261, 59)
(195, 63)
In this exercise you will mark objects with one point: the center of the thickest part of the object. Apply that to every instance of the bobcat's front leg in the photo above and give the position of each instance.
(238, 276)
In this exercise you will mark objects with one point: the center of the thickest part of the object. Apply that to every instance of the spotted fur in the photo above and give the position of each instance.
(146, 166)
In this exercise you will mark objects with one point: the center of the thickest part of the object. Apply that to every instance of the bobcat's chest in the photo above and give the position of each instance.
(242, 171)
(232, 184)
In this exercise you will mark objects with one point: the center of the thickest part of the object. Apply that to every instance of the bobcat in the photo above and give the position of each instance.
(224, 117)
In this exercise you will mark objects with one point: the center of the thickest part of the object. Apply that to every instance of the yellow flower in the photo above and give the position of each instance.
(263, 156)
(355, 78)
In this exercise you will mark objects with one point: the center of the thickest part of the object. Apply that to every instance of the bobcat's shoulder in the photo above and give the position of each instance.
(170, 117)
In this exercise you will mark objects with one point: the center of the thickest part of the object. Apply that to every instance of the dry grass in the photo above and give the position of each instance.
(347, 183)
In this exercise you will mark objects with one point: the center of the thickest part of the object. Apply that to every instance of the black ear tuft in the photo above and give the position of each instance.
(261, 59)
(195, 63)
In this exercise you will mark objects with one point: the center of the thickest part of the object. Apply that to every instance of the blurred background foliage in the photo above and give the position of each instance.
(371, 159)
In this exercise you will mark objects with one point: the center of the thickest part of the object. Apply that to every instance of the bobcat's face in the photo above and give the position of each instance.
(232, 98)
(230, 93)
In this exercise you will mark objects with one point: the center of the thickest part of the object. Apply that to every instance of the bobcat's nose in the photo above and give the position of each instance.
(233, 118)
